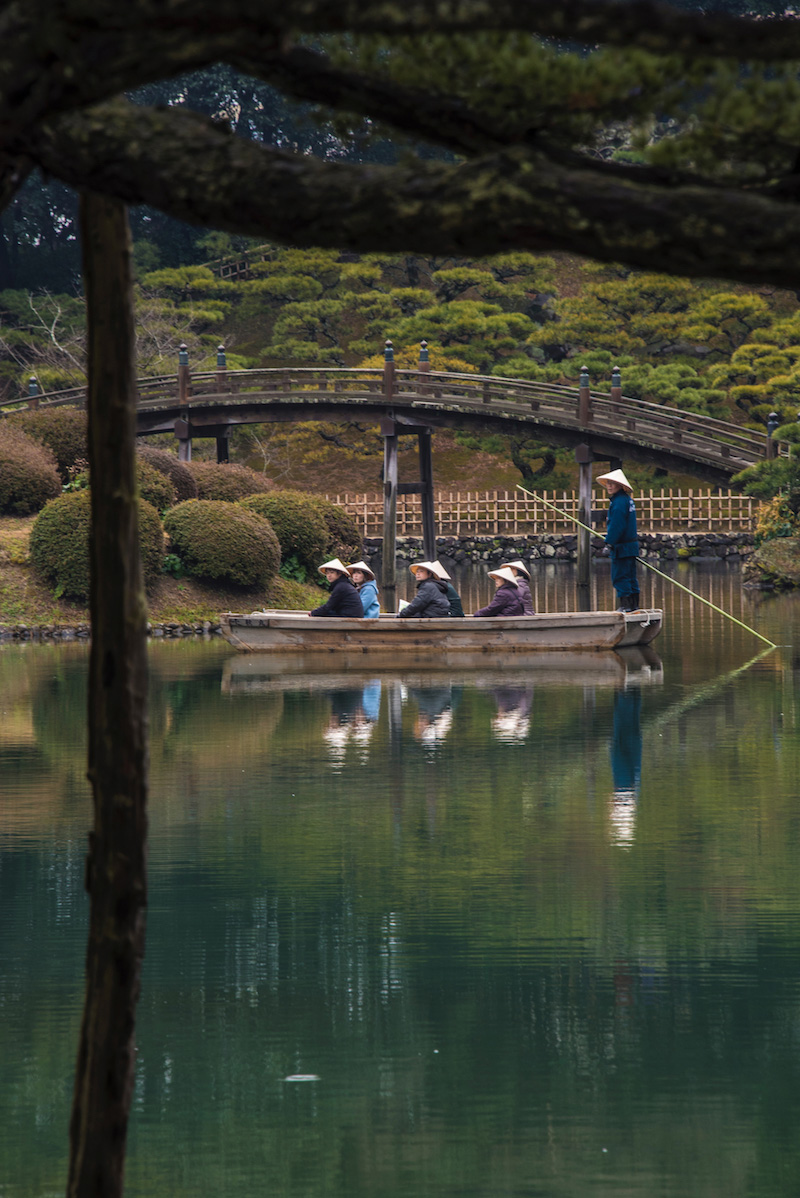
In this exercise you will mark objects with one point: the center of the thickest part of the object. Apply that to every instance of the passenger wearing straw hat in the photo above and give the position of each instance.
(431, 597)
(453, 596)
(622, 538)
(520, 572)
(507, 600)
(367, 588)
(344, 600)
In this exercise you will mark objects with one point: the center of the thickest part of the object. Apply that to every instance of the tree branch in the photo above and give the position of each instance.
(192, 169)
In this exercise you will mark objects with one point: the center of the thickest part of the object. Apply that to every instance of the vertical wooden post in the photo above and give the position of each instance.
(584, 398)
(389, 571)
(616, 385)
(184, 434)
(33, 392)
(183, 374)
(426, 477)
(388, 372)
(223, 447)
(583, 456)
(116, 875)
(222, 366)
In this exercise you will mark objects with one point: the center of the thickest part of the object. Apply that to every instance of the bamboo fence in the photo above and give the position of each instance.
(511, 513)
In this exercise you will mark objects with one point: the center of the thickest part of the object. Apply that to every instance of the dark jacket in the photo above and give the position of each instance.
(525, 595)
(455, 600)
(430, 600)
(507, 601)
(621, 534)
(343, 601)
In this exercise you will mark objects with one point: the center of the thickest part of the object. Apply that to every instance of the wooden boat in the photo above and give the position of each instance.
(296, 632)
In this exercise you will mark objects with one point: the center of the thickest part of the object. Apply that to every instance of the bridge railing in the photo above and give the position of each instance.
(704, 438)
(511, 513)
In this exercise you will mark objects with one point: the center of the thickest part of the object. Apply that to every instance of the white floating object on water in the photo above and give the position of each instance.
(302, 1077)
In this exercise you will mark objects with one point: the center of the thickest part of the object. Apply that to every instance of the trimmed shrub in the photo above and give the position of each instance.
(28, 476)
(225, 482)
(59, 544)
(223, 542)
(299, 525)
(177, 472)
(346, 541)
(63, 430)
(154, 487)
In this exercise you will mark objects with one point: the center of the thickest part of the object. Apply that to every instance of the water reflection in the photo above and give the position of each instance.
(445, 933)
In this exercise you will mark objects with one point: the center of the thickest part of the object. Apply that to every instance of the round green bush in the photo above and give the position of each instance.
(299, 525)
(177, 472)
(59, 544)
(225, 482)
(223, 542)
(63, 430)
(154, 487)
(345, 539)
(28, 476)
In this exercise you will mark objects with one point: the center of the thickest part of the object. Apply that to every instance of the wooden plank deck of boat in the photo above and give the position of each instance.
(283, 631)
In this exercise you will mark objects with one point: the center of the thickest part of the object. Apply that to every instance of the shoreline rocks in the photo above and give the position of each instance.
(64, 633)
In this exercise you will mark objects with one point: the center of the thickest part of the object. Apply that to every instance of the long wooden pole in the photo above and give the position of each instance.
(661, 574)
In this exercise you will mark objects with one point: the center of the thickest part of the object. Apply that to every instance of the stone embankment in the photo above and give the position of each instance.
(564, 547)
(81, 632)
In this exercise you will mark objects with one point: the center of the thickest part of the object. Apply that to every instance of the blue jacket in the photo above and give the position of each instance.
(621, 534)
(343, 601)
(507, 601)
(368, 594)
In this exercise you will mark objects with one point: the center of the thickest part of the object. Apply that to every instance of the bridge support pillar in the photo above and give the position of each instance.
(584, 458)
(389, 571)
(223, 447)
(184, 434)
(426, 495)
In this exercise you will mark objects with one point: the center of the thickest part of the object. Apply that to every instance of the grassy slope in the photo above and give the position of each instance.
(26, 600)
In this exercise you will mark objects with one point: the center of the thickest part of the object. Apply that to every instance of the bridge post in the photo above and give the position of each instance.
(584, 458)
(222, 366)
(773, 422)
(423, 367)
(184, 434)
(388, 372)
(584, 398)
(616, 385)
(389, 554)
(223, 447)
(183, 373)
(33, 392)
(426, 494)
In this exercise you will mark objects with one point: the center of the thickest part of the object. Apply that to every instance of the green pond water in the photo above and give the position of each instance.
(530, 931)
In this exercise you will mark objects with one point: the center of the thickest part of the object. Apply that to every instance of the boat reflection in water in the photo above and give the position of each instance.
(424, 699)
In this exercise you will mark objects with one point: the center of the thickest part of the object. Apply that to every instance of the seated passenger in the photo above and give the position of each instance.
(507, 600)
(344, 600)
(452, 594)
(367, 588)
(431, 597)
(520, 572)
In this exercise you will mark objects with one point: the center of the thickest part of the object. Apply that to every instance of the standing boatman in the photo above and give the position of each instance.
(622, 539)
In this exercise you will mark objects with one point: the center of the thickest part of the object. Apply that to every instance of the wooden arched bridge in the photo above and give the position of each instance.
(609, 425)
(600, 426)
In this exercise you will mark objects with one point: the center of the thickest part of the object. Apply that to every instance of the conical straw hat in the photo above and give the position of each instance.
(363, 567)
(440, 571)
(615, 476)
(516, 566)
(429, 566)
(503, 573)
(335, 564)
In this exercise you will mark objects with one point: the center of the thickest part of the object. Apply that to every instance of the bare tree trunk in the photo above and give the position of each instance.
(118, 758)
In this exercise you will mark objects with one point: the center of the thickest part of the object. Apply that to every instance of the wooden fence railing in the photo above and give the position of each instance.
(511, 513)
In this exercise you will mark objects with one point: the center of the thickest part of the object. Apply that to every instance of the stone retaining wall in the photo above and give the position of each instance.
(564, 547)
(81, 632)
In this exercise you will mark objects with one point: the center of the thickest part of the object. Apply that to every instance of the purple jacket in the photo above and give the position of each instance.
(525, 595)
(507, 601)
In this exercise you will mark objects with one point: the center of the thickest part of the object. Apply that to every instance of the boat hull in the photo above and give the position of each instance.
(288, 632)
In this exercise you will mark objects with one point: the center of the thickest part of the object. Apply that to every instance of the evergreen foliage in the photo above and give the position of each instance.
(63, 430)
(155, 488)
(28, 476)
(178, 472)
(221, 541)
(59, 543)
(299, 523)
(227, 482)
(345, 541)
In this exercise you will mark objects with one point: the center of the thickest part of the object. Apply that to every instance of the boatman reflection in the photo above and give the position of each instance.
(626, 765)
(513, 720)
